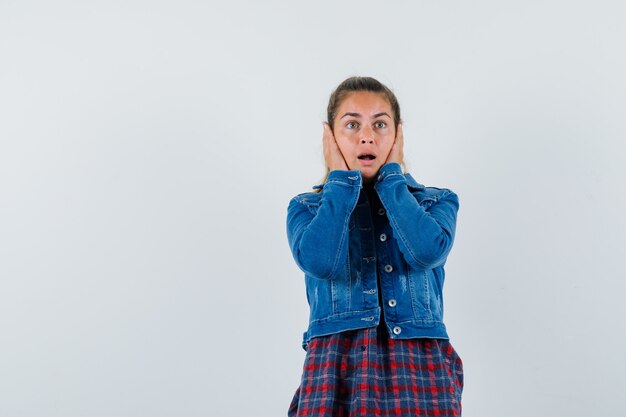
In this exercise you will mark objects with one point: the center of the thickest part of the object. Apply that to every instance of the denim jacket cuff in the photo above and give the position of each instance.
(345, 177)
(388, 170)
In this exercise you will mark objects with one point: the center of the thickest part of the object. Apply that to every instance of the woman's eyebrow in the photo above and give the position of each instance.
(359, 115)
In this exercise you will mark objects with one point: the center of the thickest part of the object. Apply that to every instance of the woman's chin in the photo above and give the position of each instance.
(368, 176)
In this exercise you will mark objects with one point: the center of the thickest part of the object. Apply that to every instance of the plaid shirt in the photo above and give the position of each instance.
(366, 373)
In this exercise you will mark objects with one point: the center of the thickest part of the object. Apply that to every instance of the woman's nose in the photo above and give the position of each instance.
(367, 135)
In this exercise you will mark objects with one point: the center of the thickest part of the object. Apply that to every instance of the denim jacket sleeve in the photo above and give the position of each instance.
(424, 237)
(318, 237)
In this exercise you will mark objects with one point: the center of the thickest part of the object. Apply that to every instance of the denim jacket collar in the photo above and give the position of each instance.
(410, 182)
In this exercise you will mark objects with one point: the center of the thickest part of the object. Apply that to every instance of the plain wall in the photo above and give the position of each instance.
(148, 151)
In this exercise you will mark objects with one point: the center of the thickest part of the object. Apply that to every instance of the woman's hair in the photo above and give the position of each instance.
(358, 84)
(354, 84)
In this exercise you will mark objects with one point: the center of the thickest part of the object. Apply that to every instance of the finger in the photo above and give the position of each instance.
(395, 154)
(325, 138)
(328, 132)
(399, 142)
(330, 148)
(335, 154)
(332, 143)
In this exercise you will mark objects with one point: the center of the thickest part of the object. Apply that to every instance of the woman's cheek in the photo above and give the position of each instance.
(386, 155)
(343, 144)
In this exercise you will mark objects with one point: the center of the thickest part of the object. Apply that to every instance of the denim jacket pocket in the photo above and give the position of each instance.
(341, 288)
(420, 294)
(319, 294)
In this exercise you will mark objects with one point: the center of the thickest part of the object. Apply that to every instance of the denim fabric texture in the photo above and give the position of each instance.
(368, 257)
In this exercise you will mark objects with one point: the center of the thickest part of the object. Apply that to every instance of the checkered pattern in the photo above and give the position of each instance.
(364, 373)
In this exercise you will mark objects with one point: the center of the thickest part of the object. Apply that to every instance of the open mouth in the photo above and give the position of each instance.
(367, 157)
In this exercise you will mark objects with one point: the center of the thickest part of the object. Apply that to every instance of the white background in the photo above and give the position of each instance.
(149, 150)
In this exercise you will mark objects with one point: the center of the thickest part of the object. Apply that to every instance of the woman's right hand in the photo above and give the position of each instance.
(332, 155)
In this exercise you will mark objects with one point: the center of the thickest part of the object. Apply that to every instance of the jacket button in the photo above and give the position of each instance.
(392, 303)
(388, 268)
(381, 211)
(397, 330)
(383, 237)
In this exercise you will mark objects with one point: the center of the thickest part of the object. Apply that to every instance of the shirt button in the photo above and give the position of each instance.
(383, 237)
(392, 303)
(388, 268)
(381, 211)
(397, 330)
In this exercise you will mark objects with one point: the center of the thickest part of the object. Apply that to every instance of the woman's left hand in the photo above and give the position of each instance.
(397, 152)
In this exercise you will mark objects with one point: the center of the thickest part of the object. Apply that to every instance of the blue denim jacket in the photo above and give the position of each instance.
(368, 256)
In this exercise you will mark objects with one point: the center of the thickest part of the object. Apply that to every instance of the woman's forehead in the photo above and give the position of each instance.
(370, 103)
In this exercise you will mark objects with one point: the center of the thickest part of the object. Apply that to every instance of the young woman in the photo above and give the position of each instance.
(372, 243)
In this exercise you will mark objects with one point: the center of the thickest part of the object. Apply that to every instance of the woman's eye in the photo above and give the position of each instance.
(380, 125)
(351, 125)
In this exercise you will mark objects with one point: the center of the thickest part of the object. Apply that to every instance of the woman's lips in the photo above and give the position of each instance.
(366, 162)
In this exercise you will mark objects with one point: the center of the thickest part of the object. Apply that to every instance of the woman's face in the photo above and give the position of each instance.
(364, 131)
